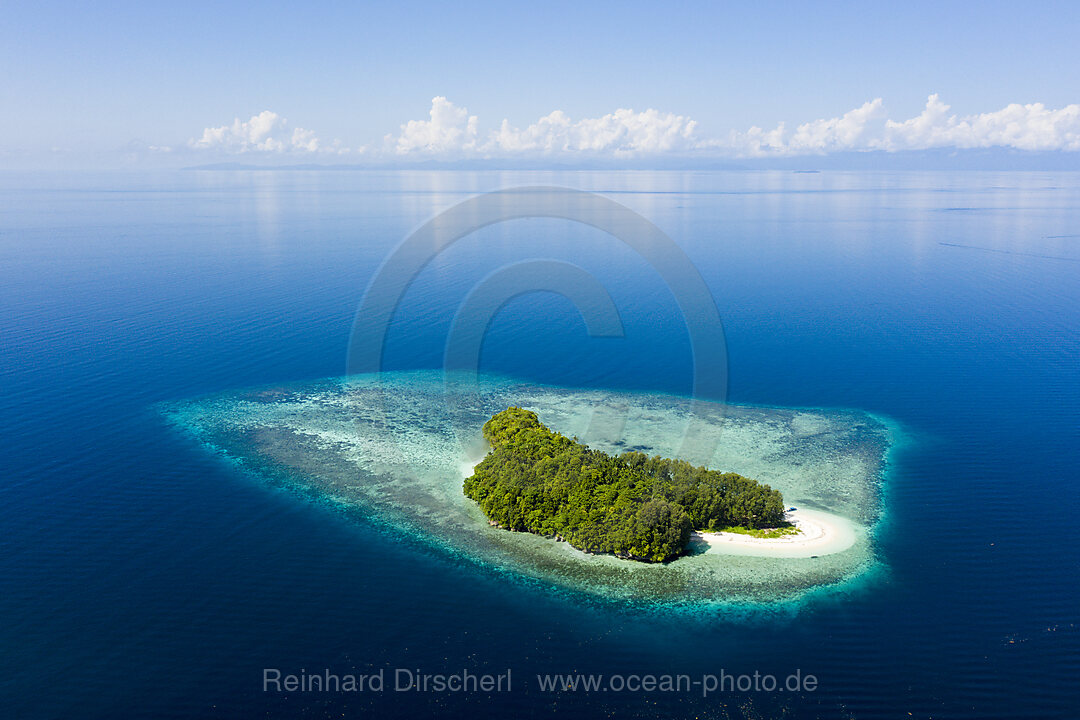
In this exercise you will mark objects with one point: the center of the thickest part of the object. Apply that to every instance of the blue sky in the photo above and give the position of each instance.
(85, 80)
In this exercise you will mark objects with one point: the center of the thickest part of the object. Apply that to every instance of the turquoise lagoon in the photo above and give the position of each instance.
(395, 447)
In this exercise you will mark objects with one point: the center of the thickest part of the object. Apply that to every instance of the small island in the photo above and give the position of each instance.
(632, 505)
(394, 448)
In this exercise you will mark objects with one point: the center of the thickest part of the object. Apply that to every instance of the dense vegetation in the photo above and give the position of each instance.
(634, 506)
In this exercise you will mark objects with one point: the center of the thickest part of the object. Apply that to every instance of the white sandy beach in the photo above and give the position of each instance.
(821, 533)
(469, 467)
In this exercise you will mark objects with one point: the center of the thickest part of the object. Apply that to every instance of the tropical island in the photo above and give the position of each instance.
(389, 447)
(631, 505)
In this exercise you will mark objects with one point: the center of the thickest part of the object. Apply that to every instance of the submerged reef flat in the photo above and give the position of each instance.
(397, 446)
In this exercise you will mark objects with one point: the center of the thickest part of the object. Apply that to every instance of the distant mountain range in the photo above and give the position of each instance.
(942, 159)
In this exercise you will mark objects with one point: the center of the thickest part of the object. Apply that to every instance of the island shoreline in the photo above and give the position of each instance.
(820, 533)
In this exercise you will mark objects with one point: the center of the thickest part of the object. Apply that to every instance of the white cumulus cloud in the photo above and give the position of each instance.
(859, 128)
(450, 132)
(855, 128)
(1021, 127)
(266, 132)
(623, 133)
(1024, 127)
(449, 129)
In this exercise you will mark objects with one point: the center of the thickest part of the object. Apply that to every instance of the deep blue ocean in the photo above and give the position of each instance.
(141, 576)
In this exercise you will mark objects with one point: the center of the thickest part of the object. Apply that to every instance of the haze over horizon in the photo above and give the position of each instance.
(123, 85)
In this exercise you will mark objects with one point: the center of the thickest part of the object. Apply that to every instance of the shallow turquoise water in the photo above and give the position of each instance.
(397, 446)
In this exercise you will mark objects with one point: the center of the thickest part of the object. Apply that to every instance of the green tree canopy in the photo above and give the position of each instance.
(634, 506)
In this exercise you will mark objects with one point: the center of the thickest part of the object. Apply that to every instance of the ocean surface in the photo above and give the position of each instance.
(142, 576)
